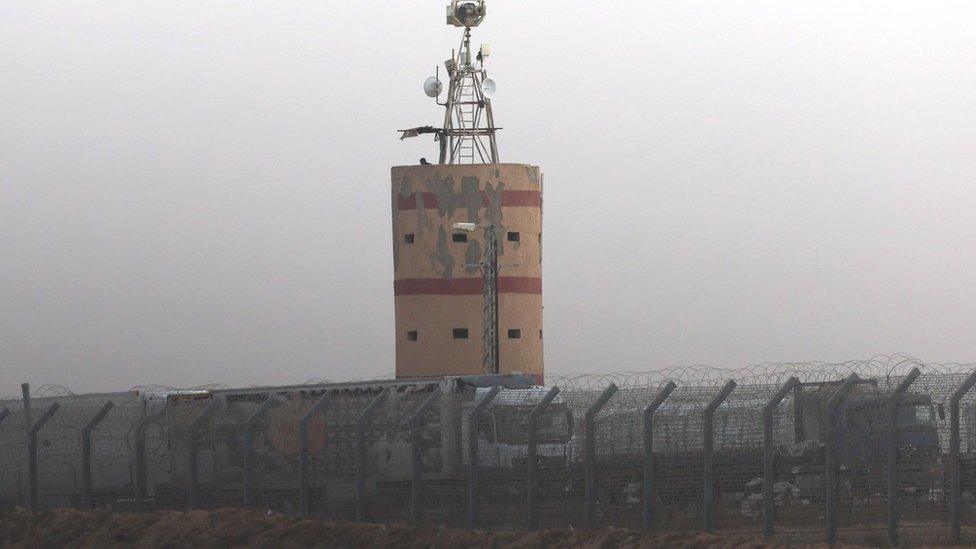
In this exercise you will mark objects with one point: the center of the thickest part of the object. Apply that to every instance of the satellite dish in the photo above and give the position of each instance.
(488, 86)
(433, 86)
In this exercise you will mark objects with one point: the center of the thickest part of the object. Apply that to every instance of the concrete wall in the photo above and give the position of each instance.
(435, 292)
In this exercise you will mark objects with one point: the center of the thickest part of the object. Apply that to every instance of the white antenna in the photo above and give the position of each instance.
(433, 87)
(488, 86)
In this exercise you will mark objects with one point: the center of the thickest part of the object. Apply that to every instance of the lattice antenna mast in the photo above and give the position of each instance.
(489, 270)
(469, 126)
(468, 133)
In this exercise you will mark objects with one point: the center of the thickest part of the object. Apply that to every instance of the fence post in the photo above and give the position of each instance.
(249, 425)
(35, 499)
(532, 472)
(304, 502)
(140, 450)
(28, 421)
(893, 402)
(361, 462)
(954, 457)
(194, 491)
(708, 444)
(589, 446)
(86, 440)
(416, 464)
(474, 416)
(768, 444)
(830, 457)
(662, 395)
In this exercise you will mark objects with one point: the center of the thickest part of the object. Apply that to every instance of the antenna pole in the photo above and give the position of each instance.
(467, 114)
(468, 133)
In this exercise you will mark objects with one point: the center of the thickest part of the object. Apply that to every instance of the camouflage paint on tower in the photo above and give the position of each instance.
(437, 295)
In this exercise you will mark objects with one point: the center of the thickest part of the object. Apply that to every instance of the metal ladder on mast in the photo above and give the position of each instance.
(467, 110)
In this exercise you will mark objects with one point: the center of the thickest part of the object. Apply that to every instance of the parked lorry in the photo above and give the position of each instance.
(861, 436)
(503, 430)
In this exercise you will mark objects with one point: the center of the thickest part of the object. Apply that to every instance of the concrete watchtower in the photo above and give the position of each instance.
(467, 236)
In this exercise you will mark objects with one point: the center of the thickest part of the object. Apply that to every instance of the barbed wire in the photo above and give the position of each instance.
(52, 390)
(881, 367)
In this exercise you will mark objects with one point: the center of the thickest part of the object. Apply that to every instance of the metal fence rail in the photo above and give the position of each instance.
(880, 451)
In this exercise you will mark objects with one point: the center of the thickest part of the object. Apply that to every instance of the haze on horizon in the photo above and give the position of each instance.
(195, 192)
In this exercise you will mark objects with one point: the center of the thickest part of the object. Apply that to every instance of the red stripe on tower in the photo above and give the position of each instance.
(466, 286)
(510, 199)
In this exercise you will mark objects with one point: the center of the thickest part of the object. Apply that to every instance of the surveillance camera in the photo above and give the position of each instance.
(465, 13)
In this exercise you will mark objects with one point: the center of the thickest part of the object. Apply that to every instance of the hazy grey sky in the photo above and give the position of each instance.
(197, 192)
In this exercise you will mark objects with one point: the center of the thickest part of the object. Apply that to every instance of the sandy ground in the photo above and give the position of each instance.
(235, 527)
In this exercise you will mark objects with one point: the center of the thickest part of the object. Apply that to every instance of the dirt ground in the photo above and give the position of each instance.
(235, 527)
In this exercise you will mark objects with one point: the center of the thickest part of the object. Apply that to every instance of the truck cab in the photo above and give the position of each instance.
(503, 430)
(863, 422)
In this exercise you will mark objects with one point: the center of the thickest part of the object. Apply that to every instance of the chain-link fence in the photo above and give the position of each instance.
(880, 451)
